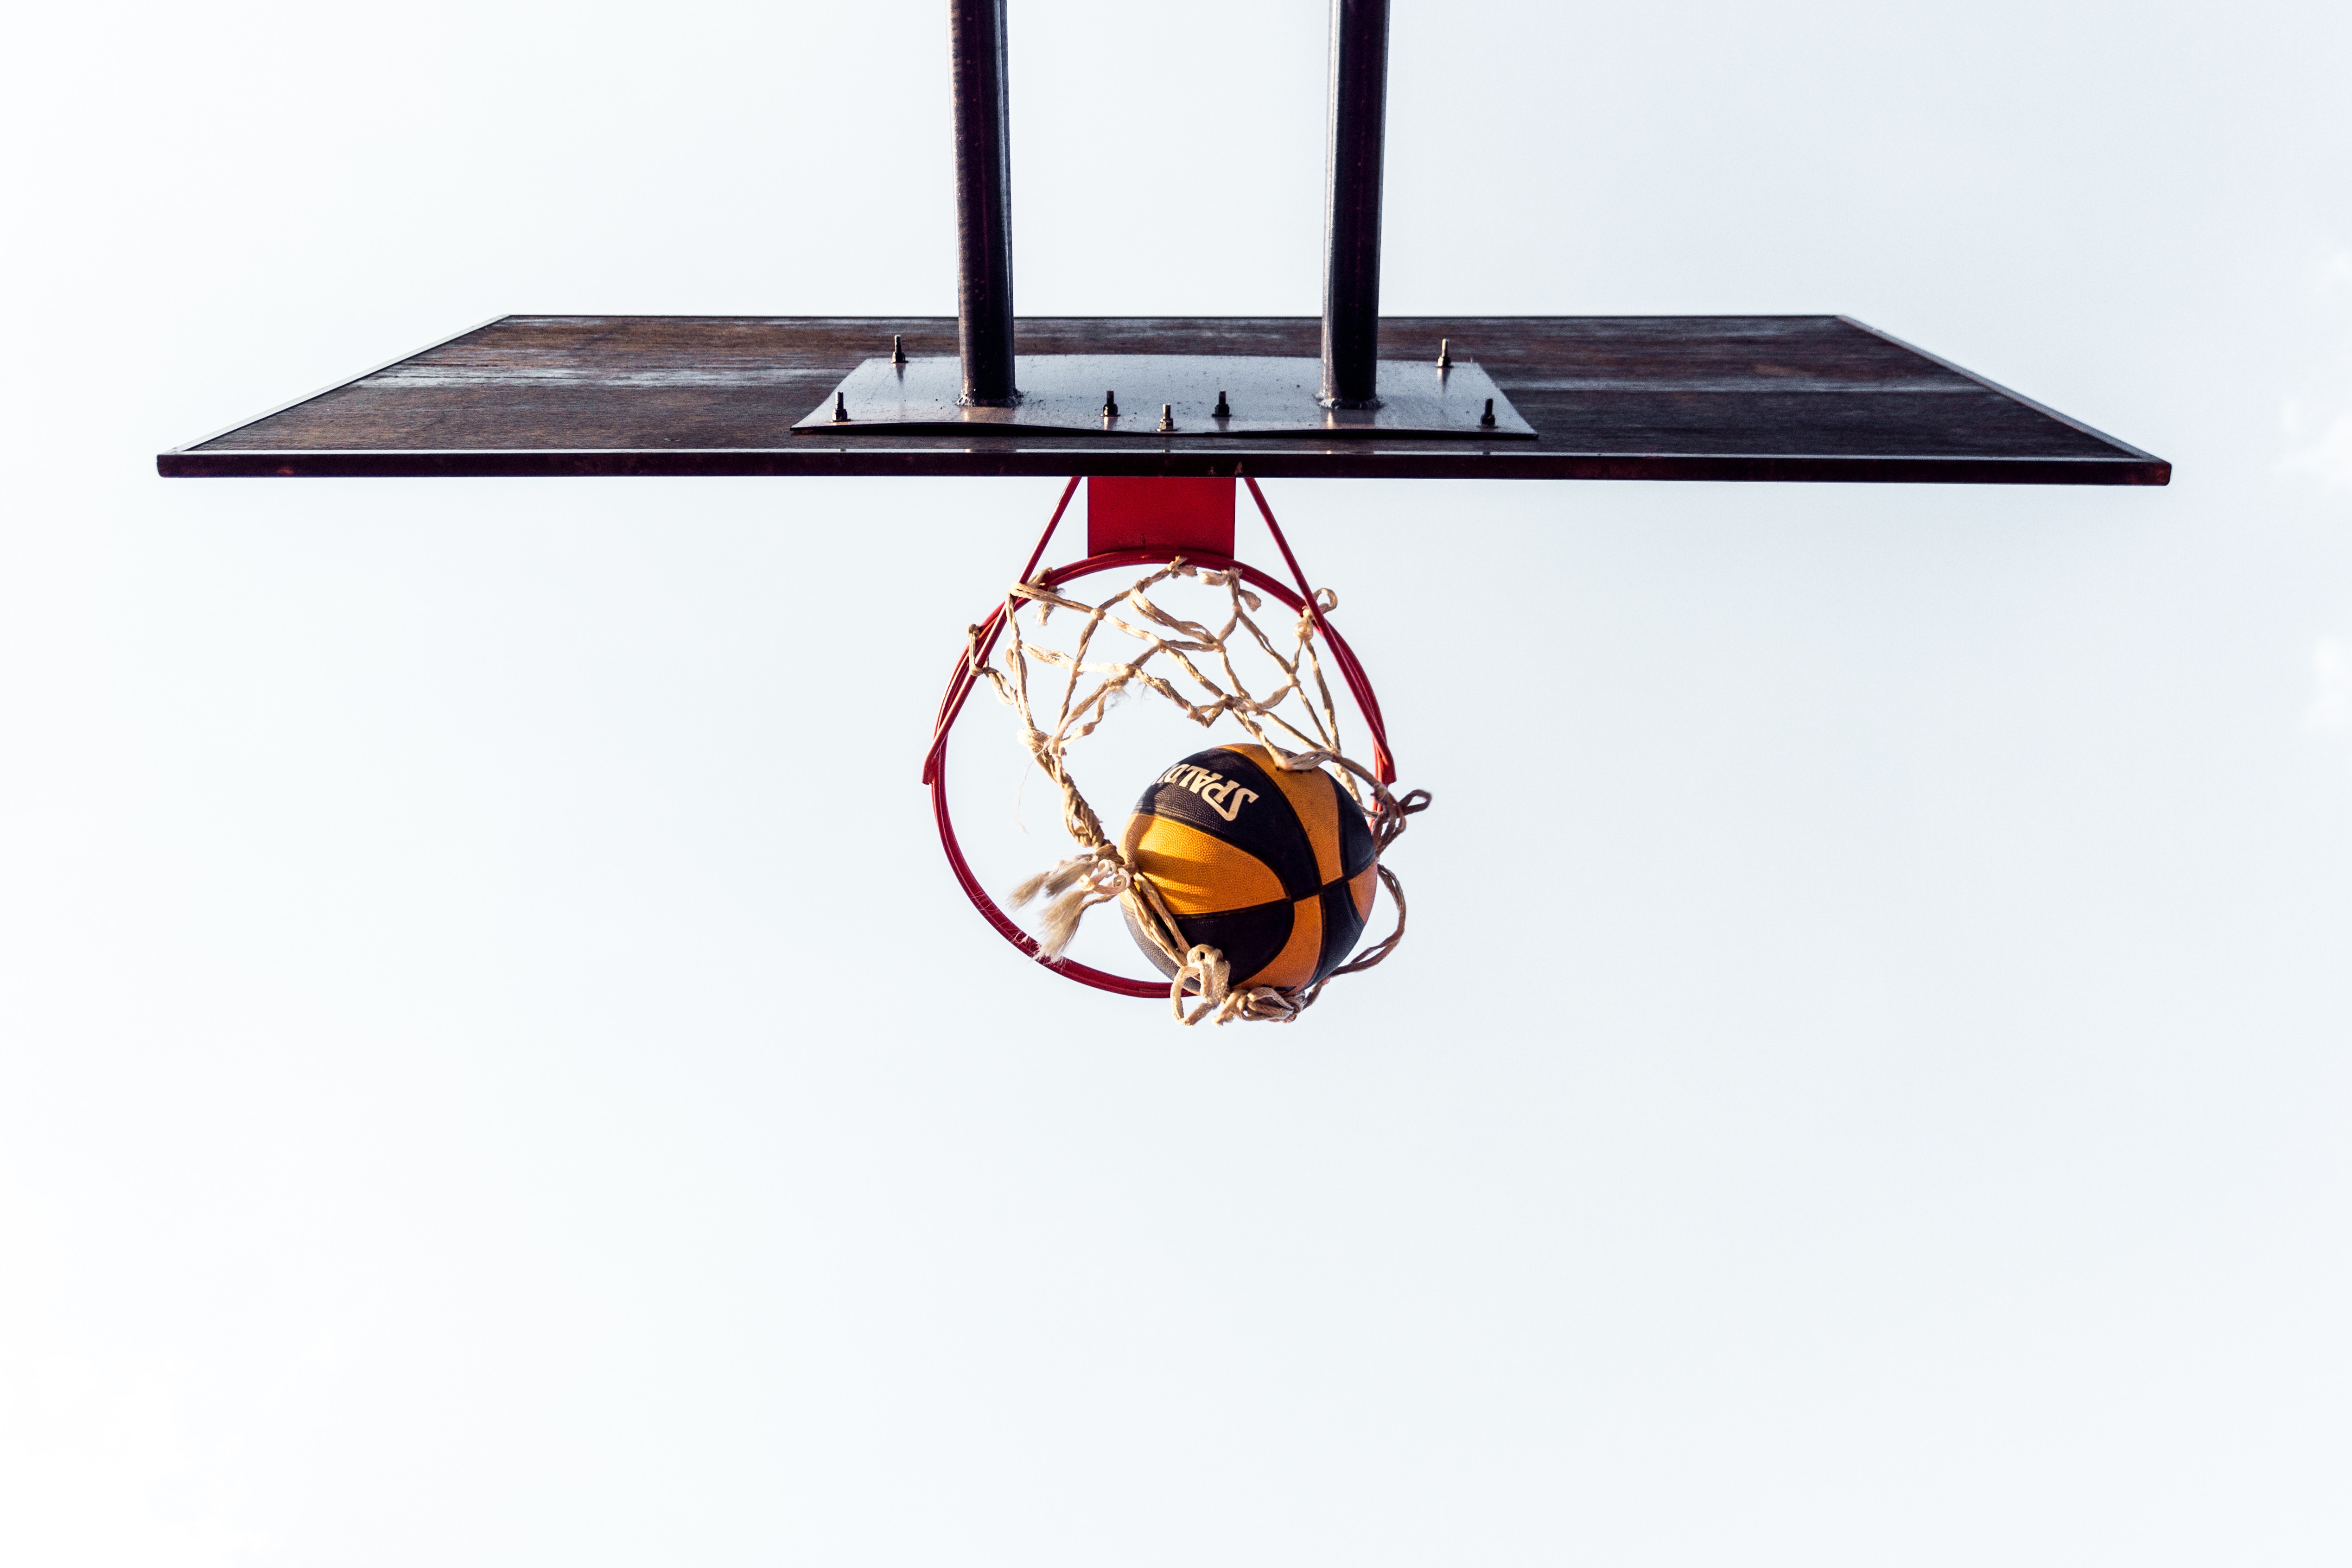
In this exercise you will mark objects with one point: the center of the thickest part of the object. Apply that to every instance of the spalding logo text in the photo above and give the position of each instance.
(1214, 788)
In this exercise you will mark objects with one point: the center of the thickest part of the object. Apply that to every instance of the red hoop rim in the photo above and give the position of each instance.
(960, 684)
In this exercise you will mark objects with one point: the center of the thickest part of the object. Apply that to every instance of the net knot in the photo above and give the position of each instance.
(1207, 971)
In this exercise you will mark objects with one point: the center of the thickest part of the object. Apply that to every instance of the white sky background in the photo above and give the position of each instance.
(493, 1069)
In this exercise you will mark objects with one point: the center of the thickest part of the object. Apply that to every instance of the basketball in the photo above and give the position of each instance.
(1273, 868)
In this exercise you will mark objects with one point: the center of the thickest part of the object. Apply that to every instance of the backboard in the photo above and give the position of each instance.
(1604, 397)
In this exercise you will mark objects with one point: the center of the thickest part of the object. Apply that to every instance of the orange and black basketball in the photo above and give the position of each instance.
(1273, 868)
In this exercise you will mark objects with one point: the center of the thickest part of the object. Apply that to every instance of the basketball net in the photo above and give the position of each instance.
(1191, 665)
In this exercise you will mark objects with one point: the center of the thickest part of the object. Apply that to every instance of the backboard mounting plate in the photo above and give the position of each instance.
(1265, 394)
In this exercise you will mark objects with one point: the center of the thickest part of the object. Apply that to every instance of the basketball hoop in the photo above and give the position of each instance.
(1746, 398)
(1177, 541)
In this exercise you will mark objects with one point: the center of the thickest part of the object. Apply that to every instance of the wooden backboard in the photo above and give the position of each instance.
(1708, 397)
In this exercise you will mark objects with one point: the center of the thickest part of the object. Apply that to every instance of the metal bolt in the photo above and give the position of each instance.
(898, 350)
(1224, 409)
(1486, 420)
(1444, 354)
(1167, 416)
(840, 409)
(1111, 405)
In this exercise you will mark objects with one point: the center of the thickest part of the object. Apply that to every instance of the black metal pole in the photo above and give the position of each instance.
(984, 201)
(1351, 212)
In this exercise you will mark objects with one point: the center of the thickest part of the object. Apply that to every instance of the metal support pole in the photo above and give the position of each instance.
(984, 201)
(1352, 221)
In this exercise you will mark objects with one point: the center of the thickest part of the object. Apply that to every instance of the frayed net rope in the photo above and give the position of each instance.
(1100, 873)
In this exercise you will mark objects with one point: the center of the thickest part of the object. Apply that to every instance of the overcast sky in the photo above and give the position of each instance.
(493, 1067)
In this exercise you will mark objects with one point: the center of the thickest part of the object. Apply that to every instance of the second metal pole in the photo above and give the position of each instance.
(1352, 221)
(984, 201)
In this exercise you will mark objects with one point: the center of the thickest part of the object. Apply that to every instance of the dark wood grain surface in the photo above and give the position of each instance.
(1612, 397)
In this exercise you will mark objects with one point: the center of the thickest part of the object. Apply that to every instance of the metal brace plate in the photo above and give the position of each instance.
(1063, 394)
